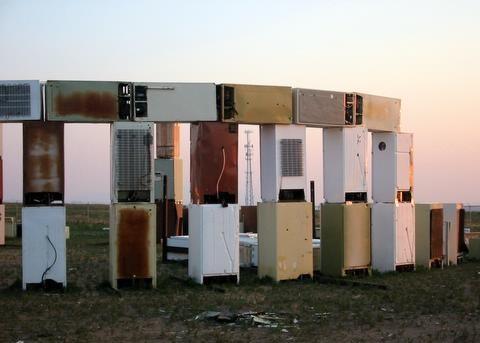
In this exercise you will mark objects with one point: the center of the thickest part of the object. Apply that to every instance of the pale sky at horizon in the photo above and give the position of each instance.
(426, 53)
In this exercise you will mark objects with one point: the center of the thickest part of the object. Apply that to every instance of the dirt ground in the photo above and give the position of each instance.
(438, 305)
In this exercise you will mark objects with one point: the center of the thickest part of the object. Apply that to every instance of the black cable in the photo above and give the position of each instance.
(54, 261)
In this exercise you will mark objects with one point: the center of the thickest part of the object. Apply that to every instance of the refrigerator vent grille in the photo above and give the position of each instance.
(291, 151)
(15, 100)
(133, 162)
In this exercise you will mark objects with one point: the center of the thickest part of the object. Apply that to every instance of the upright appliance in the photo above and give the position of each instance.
(168, 140)
(213, 241)
(429, 235)
(44, 253)
(345, 239)
(133, 258)
(285, 248)
(393, 236)
(214, 163)
(345, 174)
(392, 164)
(132, 162)
(283, 165)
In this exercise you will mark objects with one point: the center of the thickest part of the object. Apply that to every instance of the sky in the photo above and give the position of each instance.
(426, 53)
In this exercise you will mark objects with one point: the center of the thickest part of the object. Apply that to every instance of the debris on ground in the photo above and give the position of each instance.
(258, 319)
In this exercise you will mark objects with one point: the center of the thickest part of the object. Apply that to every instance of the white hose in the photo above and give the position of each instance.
(221, 173)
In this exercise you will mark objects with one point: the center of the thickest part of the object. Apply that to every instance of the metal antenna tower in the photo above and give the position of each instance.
(248, 173)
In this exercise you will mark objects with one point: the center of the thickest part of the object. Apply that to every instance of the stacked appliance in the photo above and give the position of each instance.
(345, 229)
(43, 212)
(20, 100)
(284, 217)
(213, 216)
(132, 212)
(393, 211)
(429, 235)
(168, 181)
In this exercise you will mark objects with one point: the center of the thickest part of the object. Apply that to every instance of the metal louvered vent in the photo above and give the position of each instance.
(291, 157)
(133, 162)
(15, 100)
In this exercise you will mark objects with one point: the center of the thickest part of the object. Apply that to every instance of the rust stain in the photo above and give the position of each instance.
(207, 140)
(133, 243)
(43, 158)
(89, 104)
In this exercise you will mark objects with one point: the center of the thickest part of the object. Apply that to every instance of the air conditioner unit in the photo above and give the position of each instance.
(393, 236)
(345, 239)
(282, 162)
(168, 140)
(380, 114)
(20, 100)
(132, 162)
(214, 163)
(173, 170)
(213, 241)
(249, 104)
(2, 225)
(428, 235)
(392, 165)
(43, 245)
(43, 164)
(133, 254)
(454, 237)
(89, 101)
(175, 102)
(345, 175)
(318, 108)
(285, 240)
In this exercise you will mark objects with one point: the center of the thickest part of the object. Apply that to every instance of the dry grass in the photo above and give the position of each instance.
(437, 305)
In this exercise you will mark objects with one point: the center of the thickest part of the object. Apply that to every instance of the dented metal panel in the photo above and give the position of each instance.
(214, 161)
(43, 163)
(381, 113)
(285, 240)
(168, 140)
(20, 100)
(88, 101)
(132, 242)
(249, 104)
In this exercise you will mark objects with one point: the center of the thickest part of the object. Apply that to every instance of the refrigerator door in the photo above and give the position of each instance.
(405, 234)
